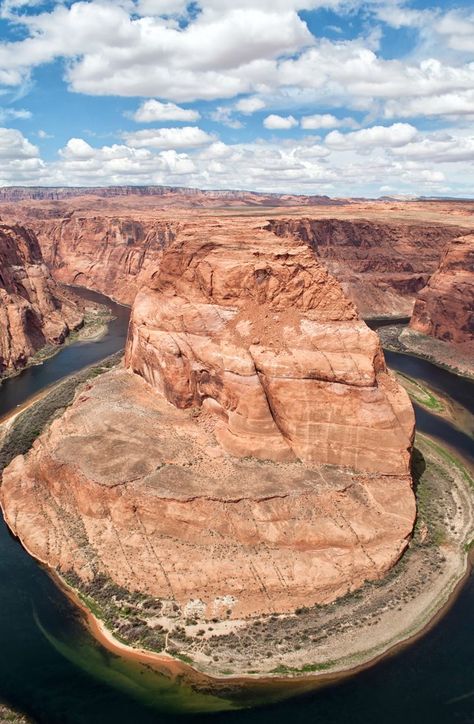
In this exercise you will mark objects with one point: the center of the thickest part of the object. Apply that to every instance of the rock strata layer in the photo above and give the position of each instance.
(445, 307)
(34, 311)
(381, 265)
(252, 458)
(111, 255)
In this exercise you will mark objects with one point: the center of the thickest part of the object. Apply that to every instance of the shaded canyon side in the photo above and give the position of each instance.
(34, 311)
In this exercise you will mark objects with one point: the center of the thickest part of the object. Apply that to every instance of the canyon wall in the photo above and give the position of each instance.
(34, 310)
(381, 266)
(253, 457)
(445, 307)
(109, 254)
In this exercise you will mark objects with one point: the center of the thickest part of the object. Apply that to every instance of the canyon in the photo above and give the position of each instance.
(252, 457)
(383, 253)
(34, 310)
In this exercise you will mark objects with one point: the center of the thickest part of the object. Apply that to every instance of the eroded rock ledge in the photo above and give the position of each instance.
(253, 458)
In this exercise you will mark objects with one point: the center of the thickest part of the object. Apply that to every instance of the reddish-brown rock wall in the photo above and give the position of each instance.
(445, 307)
(381, 266)
(34, 311)
(110, 255)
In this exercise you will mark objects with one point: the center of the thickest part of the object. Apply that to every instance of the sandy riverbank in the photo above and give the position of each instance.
(457, 359)
(437, 403)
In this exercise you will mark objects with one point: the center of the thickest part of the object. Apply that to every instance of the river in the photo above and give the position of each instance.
(54, 671)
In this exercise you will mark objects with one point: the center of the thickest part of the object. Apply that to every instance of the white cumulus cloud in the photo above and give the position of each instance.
(154, 111)
(276, 122)
(185, 137)
(325, 120)
(250, 105)
(13, 145)
(399, 134)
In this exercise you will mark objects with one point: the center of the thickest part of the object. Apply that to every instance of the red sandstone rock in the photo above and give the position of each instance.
(445, 307)
(111, 255)
(255, 456)
(259, 331)
(382, 254)
(381, 265)
(34, 311)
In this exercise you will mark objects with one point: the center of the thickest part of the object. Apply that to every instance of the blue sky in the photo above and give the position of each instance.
(341, 97)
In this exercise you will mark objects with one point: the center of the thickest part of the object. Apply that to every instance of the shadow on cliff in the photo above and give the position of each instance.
(418, 467)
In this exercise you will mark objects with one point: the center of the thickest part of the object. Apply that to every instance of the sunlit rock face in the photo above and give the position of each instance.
(255, 330)
(34, 311)
(252, 457)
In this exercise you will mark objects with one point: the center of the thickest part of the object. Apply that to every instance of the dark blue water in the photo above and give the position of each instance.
(457, 388)
(70, 359)
(53, 670)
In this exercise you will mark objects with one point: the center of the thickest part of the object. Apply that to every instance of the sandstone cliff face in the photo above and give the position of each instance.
(33, 310)
(381, 266)
(253, 458)
(110, 255)
(261, 333)
(445, 307)
(112, 245)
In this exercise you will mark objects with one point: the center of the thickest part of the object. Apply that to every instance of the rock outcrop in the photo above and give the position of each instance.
(381, 266)
(444, 309)
(253, 458)
(34, 311)
(257, 330)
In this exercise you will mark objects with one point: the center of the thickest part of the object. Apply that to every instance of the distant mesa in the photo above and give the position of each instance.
(192, 195)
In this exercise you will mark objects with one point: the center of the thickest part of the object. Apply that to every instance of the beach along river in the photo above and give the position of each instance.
(52, 669)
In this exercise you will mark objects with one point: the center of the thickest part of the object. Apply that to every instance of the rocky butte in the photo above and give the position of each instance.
(34, 310)
(253, 455)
